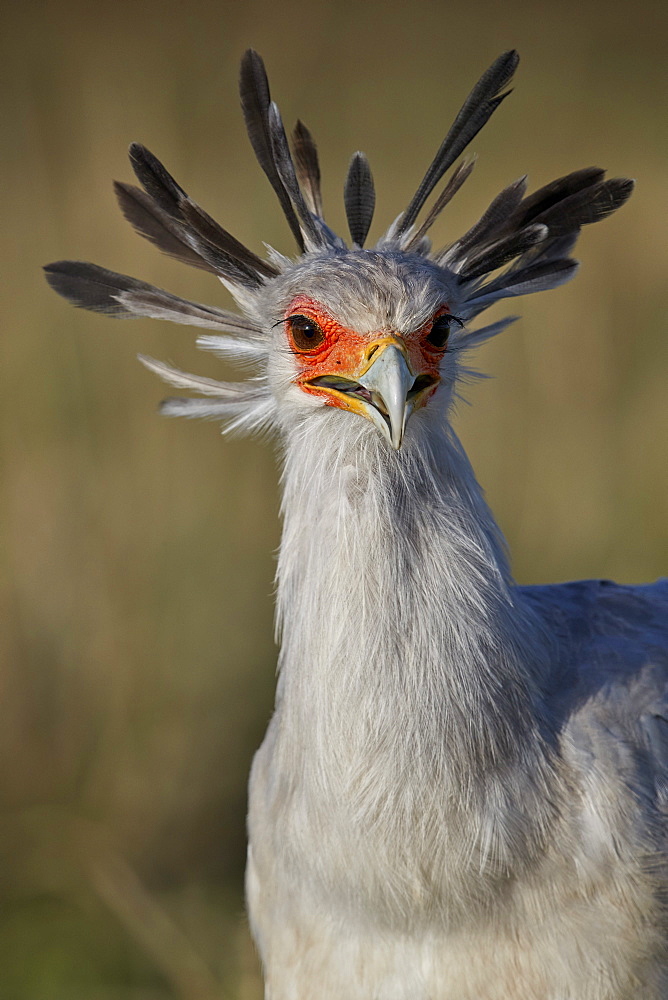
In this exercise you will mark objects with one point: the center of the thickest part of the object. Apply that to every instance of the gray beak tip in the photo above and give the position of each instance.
(389, 380)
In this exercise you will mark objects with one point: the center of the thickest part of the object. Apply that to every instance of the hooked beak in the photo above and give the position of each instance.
(389, 380)
(385, 392)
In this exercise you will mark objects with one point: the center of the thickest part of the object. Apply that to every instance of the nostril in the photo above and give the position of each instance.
(372, 350)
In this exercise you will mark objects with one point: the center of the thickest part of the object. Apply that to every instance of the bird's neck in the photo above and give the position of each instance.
(401, 633)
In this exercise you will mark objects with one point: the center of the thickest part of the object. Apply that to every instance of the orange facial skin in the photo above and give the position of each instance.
(349, 355)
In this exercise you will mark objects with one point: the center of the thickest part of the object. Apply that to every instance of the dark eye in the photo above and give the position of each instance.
(440, 330)
(305, 333)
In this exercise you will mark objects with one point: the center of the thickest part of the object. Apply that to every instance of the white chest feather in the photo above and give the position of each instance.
(405, 800)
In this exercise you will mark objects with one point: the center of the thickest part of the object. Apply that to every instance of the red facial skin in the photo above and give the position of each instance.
(348, 354)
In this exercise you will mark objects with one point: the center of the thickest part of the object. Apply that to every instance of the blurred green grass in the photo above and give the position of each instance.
(137, 553)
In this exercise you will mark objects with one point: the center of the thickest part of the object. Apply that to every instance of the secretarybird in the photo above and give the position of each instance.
(462, 792)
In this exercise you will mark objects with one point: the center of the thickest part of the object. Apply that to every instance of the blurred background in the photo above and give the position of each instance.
(137, 661)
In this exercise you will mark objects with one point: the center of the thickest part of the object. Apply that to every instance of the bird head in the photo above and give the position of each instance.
(347, 332)
(363, 332)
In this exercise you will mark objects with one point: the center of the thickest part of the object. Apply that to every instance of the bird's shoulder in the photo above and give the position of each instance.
(619, 623)
(609, 686)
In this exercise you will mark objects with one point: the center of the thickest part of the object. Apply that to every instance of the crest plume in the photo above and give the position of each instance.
(521, 244)
(461, 174)
(312, 233)
(217, 248)
(476, 110)
(255, 101)
(359, 198)
(308, 167)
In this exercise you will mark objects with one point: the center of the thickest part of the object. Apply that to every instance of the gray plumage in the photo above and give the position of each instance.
(462, 794)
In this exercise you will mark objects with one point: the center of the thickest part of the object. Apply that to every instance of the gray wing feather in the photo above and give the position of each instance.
(611, 688)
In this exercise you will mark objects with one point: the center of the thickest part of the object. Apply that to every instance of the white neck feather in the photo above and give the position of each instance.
(408, 663)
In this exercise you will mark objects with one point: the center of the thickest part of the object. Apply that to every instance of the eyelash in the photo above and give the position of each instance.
(438, 334)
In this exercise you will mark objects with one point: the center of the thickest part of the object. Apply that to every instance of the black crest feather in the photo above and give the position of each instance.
(221, 251)
(287, 174)
(255, 101)
(530, 237)
(478, 107)
(553, 248)
(215, 236)
(156, 179)
(493, 221)
(89, 286)
(307, 167)
(559, 210)
(551, 194)
(455, 181)
(500, 252)
(92, 287)
(587, 206)
(156, 225)
(359, 196)
(533, 278)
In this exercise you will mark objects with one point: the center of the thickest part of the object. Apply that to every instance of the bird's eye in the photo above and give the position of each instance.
(440, 331)
(305, 333)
